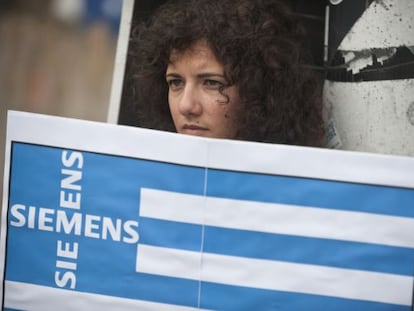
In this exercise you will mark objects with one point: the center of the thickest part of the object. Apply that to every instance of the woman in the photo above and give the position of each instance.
(225, 69)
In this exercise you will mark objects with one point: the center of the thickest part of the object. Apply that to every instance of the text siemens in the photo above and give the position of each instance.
(91, 226)
(69, 220)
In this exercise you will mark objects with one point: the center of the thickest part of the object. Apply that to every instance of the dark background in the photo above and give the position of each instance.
(312, 13)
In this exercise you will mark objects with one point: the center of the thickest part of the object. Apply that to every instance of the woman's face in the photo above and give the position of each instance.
(200, 102)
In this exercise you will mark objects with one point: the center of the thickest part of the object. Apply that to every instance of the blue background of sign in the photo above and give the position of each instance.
(110, 188)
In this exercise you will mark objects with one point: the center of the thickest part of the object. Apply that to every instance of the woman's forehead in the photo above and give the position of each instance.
(199, 54)
(199, 48)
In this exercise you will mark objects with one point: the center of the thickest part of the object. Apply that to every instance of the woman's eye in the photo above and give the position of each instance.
(175, 83)
(213, 84)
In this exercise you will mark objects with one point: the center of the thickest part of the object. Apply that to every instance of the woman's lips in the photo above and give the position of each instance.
(194, 129)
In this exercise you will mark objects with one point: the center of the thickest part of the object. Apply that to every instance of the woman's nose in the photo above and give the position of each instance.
(190, 101)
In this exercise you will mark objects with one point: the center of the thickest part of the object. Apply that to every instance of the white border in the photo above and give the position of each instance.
(4, 209)
(105, 138)
(23, 296)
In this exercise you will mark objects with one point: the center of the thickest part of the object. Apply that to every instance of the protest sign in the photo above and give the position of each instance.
(105, 217)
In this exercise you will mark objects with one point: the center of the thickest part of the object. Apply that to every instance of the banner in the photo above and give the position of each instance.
(105, 217)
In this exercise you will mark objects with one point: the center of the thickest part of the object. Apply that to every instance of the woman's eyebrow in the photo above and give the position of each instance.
(172, 75)
(202, 75)
(209, 75)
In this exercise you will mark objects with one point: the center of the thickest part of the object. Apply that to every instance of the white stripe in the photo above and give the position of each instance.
(283, 276)
(23, 296)
(188, 263)
(278, 218)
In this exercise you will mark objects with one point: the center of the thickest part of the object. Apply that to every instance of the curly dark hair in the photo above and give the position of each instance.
(259, 43)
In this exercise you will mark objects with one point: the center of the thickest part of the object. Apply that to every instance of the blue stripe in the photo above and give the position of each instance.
(170, 234)
(226, 297)
(311, 192)
(325, 252)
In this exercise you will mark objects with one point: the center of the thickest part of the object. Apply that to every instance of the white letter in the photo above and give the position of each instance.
(89, 226)
(66, 265)
(73, 157)
(21, 220)
(108, 226)
(67, 276)
(43, 220)
(62, 221)
(66, 252)
(31, 218)
(70, 181)
(133, 234)
(70, 203)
